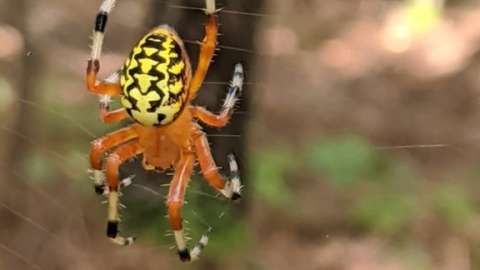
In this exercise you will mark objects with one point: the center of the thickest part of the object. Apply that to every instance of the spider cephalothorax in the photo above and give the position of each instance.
(156, 87)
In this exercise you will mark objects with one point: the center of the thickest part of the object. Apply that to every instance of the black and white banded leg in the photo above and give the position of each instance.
(110, 87)
(114, 221)
(233, 187)
(233, 93)
(99, 183)
(100, 27)
(234, 90)
(184, 253)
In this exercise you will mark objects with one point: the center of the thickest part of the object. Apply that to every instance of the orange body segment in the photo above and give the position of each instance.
(164, 145)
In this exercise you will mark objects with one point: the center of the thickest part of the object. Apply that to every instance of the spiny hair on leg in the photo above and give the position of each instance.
(113, 78)
(107, 6)
(114, 220)
(234, 89)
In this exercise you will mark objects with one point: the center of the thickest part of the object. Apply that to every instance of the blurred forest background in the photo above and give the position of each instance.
(358, 135)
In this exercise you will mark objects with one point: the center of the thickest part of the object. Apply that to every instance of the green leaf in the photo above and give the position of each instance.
(345, 160)
(454, 204)
(269, 175)
(384, 213)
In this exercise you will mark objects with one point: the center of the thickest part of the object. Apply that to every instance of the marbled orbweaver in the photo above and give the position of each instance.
(156, 88)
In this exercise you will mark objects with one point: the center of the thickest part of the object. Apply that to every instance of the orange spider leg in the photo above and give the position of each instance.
(106, 90)
(111, 87)
(100, 88)
(230, 189)
(117, 158)
(103, 144)
(176, 193)
(207, 50)
(109, 117)
(114, 160)
(210, 118)
(175, 201)
(234, 89)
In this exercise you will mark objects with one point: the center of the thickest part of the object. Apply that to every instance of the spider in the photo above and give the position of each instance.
(156, 88)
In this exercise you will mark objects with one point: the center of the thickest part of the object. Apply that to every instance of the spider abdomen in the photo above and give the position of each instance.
(155, 78)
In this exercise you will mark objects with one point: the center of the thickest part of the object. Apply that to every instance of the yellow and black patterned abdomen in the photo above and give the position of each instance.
(154, 78)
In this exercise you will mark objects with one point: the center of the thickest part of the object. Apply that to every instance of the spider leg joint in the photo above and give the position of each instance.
(98, 177)
(105, 101)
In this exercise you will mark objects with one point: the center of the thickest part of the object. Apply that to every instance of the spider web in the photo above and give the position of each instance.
(155, 194)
